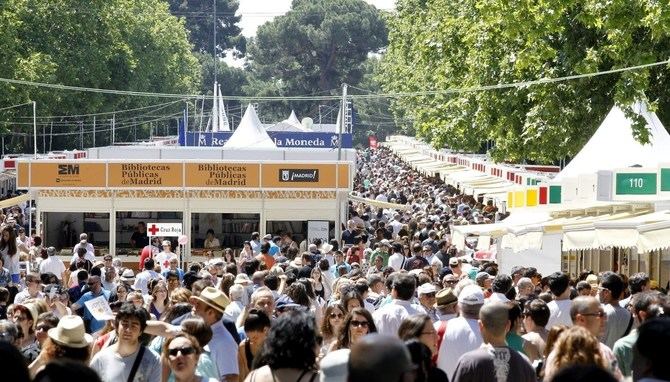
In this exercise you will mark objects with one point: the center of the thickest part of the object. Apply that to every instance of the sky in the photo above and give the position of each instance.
(257, 12)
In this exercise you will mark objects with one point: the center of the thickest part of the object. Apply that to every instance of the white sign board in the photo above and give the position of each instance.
(164, 229)
(99, 308)
(317, 229)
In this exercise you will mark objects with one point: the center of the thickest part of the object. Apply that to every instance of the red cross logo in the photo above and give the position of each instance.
(153, 229)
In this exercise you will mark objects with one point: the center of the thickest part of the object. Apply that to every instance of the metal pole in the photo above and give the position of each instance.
(35, 128)
(93, 131)
(113, 128)
(339, 135)
(51, 132)
(81, 134)
(215, 22)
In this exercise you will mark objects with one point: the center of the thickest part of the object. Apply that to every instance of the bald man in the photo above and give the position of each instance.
(495, 358)
(586, 311)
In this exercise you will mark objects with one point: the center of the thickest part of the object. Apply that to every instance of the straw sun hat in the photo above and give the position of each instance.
(70, 332)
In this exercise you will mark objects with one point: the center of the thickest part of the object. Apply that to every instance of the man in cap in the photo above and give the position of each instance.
(496, 358)
(83, 243)
(516, 273)
(211, 305)
(445, 303)
(380, 358)
(274, 249)
(52, 264)
(427, 299)
(95, 290)
(163, 257)
(463, 333)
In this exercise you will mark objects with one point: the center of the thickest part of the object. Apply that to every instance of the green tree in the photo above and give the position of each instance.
(112, 44)
(373, 115)
(314, 48)
(446, 44)
(199, 16)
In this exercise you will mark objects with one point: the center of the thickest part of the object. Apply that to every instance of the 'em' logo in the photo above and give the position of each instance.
(68, 169)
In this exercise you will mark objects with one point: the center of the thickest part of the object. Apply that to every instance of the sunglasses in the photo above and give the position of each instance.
(184, 351)
(598, 314)
(429, 295)
(91, 284)
(336, 315)
(357, 324)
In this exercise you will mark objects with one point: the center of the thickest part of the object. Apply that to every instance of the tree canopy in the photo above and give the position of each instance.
(106, 44)
(457, 44)
(199, 18)
(314, 48)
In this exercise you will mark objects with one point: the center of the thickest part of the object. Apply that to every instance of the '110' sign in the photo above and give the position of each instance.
(636, 183)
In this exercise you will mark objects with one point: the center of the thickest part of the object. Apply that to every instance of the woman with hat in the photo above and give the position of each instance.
(67, 340)
(25, 316)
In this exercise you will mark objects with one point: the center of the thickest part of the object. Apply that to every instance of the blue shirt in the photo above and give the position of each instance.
(88, 296)
(274, 249)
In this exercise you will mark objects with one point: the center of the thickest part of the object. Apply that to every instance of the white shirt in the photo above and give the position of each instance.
(163, 259)
(396, 260)
(90, 252)
(396, 227)
(559, 313)
(233, 310)
(223, 350)
(388, 317)
(54, 265)
(24, 295)
(462, 335)
(143, 278)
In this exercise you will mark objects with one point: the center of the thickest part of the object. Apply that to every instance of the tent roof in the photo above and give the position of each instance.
(290, 124)
(613, 145)
(250, 133)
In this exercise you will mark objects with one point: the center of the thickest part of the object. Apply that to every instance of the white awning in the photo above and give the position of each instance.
(625, 233)
(15, 200)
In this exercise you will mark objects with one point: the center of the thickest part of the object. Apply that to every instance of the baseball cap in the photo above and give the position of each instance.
(471, 295)
(482, 276)
(426, 288)
(267, 237)
(453, 261)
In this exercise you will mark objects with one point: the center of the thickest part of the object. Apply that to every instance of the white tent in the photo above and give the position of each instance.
(250, 133)
(613, 145)
(290, 124)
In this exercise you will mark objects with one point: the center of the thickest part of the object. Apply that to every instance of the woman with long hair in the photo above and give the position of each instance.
(10, 256)
(419, 327)
(256, 327)
(330, 327)
(121, 292)
(317, 283)
(289, 352)
(356, 324)
(575, 346)
(159, 299)
(25, 316)
(229, 256)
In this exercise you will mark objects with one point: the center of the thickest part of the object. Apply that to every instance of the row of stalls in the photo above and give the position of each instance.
(248, 186)
(606, 210)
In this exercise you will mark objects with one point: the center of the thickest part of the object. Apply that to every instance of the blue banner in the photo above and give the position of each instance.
(281, 139)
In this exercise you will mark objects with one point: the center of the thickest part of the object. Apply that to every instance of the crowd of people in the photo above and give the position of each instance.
(390, 300)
